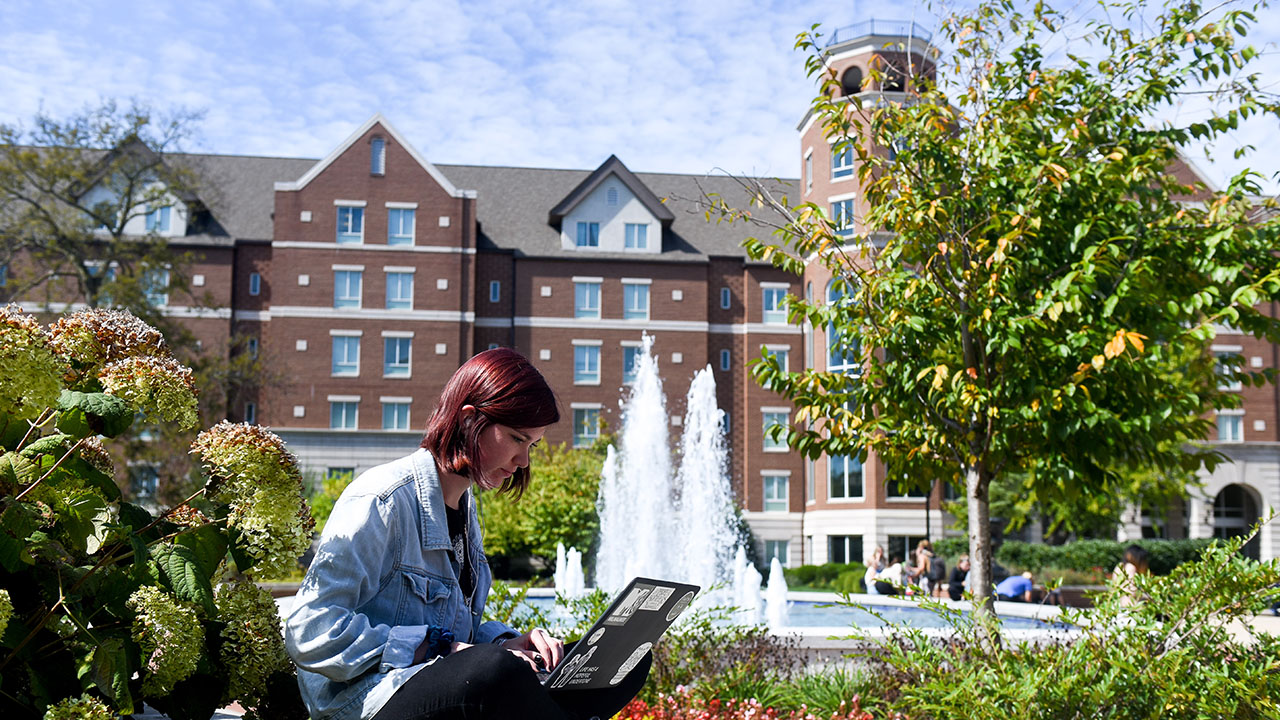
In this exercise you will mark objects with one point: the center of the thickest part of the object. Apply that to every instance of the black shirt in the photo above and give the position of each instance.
(458, 536)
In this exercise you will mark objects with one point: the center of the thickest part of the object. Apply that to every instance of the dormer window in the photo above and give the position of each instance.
(378, 156)
(158, 220)
(588, 234)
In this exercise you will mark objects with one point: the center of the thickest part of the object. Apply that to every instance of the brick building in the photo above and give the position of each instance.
(367, 277)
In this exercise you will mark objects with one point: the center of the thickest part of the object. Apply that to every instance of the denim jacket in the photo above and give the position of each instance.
(384, 573)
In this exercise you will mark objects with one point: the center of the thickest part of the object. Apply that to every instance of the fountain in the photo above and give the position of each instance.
(569, 580)
(776, 597)
(654, 522)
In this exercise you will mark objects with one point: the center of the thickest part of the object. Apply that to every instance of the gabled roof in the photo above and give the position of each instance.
(377, 119)
(612, 166)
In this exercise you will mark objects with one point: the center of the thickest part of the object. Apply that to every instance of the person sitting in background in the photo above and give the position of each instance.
(921, 557)
(958, 583)
(1135, 562)
(937, 576)
(889, 580)
(875, 564)
(1015, 588)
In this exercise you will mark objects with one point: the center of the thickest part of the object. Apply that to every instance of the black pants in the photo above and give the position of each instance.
(488, 682)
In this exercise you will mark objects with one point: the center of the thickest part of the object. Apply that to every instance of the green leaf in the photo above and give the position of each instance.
(75, 422)
(82, 522)
(16, 470)
(109, 672)
(93, 477)
(106, 414)
(180, 567)
(208, 547)
(12, 430)
(48, 445)
(17, 522)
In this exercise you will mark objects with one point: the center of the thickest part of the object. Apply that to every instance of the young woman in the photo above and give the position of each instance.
(387, 623)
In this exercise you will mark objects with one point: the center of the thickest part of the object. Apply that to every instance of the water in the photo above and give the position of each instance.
(778, 609)
(569, 580)
(656, 519)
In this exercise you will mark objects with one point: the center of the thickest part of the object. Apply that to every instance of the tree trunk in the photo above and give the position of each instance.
(977, 485)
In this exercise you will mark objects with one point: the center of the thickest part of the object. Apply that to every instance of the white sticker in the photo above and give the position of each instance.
(680, 605)
(657, 598)
(595, 636)
(630, 664)
(629, 605)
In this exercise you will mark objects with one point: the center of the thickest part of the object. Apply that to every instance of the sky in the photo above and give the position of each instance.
(688, 86)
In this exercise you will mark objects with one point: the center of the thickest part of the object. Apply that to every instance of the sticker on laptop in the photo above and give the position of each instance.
(679, 607)
(657, 598)
(629, 606)
(595, 636)
(631, 662)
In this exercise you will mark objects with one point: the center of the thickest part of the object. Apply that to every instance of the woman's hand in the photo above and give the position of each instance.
(538, 648)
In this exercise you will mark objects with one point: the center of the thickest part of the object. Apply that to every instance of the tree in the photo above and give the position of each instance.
(558, 507)
(1030, 290)
(81, 199)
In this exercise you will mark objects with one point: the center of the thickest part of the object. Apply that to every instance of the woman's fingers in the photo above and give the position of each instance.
(551, 648)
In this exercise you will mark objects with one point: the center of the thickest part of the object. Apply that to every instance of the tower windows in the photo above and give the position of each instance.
(851, 81)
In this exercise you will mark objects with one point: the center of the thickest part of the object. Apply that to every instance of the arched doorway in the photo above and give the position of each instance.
(1235, 512)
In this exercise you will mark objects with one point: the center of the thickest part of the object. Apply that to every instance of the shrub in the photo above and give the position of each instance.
(827, 577)
(1085, 555)
(105, 604)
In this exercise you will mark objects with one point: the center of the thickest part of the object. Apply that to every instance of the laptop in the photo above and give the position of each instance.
(619, 639)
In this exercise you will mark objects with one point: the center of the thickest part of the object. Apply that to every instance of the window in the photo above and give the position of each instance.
(635, 301)
(145, 480)
(586, 299)
(343, 414)
(346, 355)
(495, 291)
(158, 220)
(842, 161)
(808, 172)
(350, 225)
(255, 284)
(781, 354)
(588, 234)
(395, 415)
(1230, 427)
(899, 485)
(725, 359)
(400, 226)
(251, 413)
(844, 548)
(775, 493)
(771, 418)
(842, 217)
(395, 358)
(780, 549)
(774, 311)
(251, 347)
(842, 350)
(630, 363)
(155, 283)
(726, 298)
(851, 81)
(346, 288)
(844, 477)
(399, 291)
(377, 156)
(586, 364)
(586, 426)
(637, 236)
(902, 545)
(1225, 364)
(809, 482)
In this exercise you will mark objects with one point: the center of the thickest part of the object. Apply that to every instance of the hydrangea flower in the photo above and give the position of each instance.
(251, 471)
(253, 643)
(93, 338)
(6, 610)
(81, 708)
(159, 386)
(170, 635)
(32, 377)
(92, 452)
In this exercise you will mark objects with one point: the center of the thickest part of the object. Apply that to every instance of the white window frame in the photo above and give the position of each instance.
(152, 278)
(394, 403)
(770, 552)
(345, 301)
(630, 347)
(782, 352)
(1234, 419)
(388, 368)
(401, 239)
(842, 170)
(635, 236)
(581, 413)
(1221, 352)
(630, 292)
(842, 210)
(779, 479)
(776, 315)
(808, 170)
(586, 350)
(769, 419)
(400, 273)
(160, 219)
(586, 232)
(587, 312)
(345, 400)
(344, 336)
(353, 209)
(250, 413)
(845, 460)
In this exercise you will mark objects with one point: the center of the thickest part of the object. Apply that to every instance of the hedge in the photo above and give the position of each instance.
(836, 577)
(1084, 555)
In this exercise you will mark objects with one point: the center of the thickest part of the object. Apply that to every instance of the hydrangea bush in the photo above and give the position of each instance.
(103, 604)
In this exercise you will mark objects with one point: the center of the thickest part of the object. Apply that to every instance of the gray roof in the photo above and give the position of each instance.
(512, 204)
